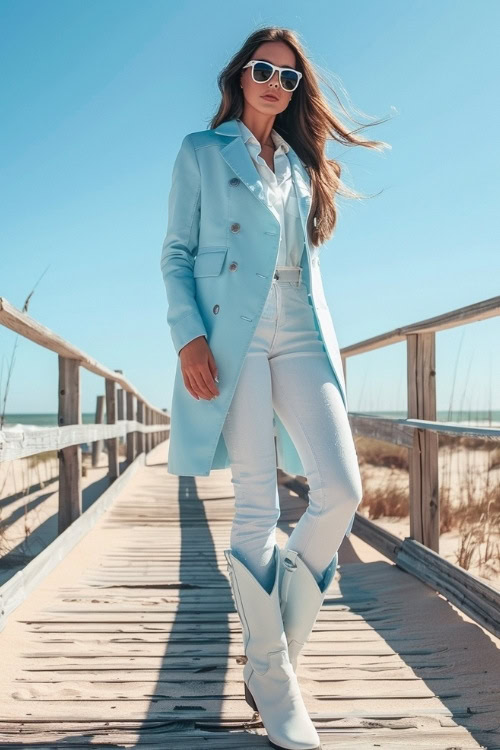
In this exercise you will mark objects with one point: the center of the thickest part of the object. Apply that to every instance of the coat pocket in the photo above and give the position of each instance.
(209, 261)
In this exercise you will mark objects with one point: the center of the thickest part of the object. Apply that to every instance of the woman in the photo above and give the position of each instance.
(251, 203)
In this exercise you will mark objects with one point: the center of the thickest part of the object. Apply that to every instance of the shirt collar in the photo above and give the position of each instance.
(249, 136)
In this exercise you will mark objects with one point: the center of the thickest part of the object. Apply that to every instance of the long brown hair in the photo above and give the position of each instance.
(306, 124)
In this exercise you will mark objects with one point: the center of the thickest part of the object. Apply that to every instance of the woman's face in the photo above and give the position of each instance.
(277, 53)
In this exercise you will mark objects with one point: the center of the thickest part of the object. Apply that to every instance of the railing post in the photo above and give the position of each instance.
(70, 458)
(131, 441)
(423, 457)
(99, 419)
(148, 434)
(140, 418)
(120, 413)
(111, 443)
(165, 423)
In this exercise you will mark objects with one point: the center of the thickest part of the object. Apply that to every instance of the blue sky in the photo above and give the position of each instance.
(96, 98)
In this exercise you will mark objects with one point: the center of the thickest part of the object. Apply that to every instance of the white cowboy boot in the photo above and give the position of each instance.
(271, 686)
(300, 599)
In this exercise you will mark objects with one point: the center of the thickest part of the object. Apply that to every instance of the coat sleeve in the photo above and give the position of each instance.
(179, 247)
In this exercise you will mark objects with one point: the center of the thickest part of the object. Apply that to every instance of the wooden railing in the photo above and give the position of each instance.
(418, 553)
(128, 415)
(143, 426)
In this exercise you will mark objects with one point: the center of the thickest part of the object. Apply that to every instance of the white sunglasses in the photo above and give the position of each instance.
(263, 71)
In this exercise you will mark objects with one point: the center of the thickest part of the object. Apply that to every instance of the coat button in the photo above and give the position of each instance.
(216, 309)
(235, 227)
(233, 266)
(234, 181)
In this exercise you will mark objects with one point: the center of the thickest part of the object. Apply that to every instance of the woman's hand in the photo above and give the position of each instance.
(199, 369)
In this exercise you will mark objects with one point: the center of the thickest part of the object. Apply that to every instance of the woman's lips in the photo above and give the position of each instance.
(270, 97)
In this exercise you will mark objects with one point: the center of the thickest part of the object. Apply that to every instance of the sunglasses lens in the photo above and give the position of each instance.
(289, 79)
(262, 72)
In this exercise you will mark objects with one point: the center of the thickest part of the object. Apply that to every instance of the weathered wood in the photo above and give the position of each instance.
(120, 407)
(70, 457)
(131, 441)
(99, 419)
(382, 428)
(400, 431)
(163, 422)
(20, 322)
(141, 645)
(111, 443)
(17, 589)
(147, 435)
(423, 457)
(376, 536)
(140, 418)
(487, 308)
(469, 592)
(221, 733)
(20, 442)
(120, 410)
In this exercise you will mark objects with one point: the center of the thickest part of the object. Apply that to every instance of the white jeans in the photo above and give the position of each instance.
(287, 368)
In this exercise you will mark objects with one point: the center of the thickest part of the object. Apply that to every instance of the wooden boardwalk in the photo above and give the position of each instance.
(133, 640)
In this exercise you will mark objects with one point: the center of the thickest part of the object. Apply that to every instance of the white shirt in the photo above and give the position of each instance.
(280, 194)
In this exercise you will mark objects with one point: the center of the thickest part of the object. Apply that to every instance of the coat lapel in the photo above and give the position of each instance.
(237, 156)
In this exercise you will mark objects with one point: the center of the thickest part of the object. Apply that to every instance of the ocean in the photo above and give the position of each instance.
(481, 418)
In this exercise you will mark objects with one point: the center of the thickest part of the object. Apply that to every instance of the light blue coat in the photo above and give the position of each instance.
(217, 262)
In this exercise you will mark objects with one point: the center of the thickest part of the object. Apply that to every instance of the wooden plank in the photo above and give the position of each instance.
(467, 591)
(376, 536)
(22, 442)
(401, 431)
(135, 640)
(222, 736)
(17, 589)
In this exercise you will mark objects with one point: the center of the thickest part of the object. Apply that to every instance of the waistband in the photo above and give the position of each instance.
(288, 273)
